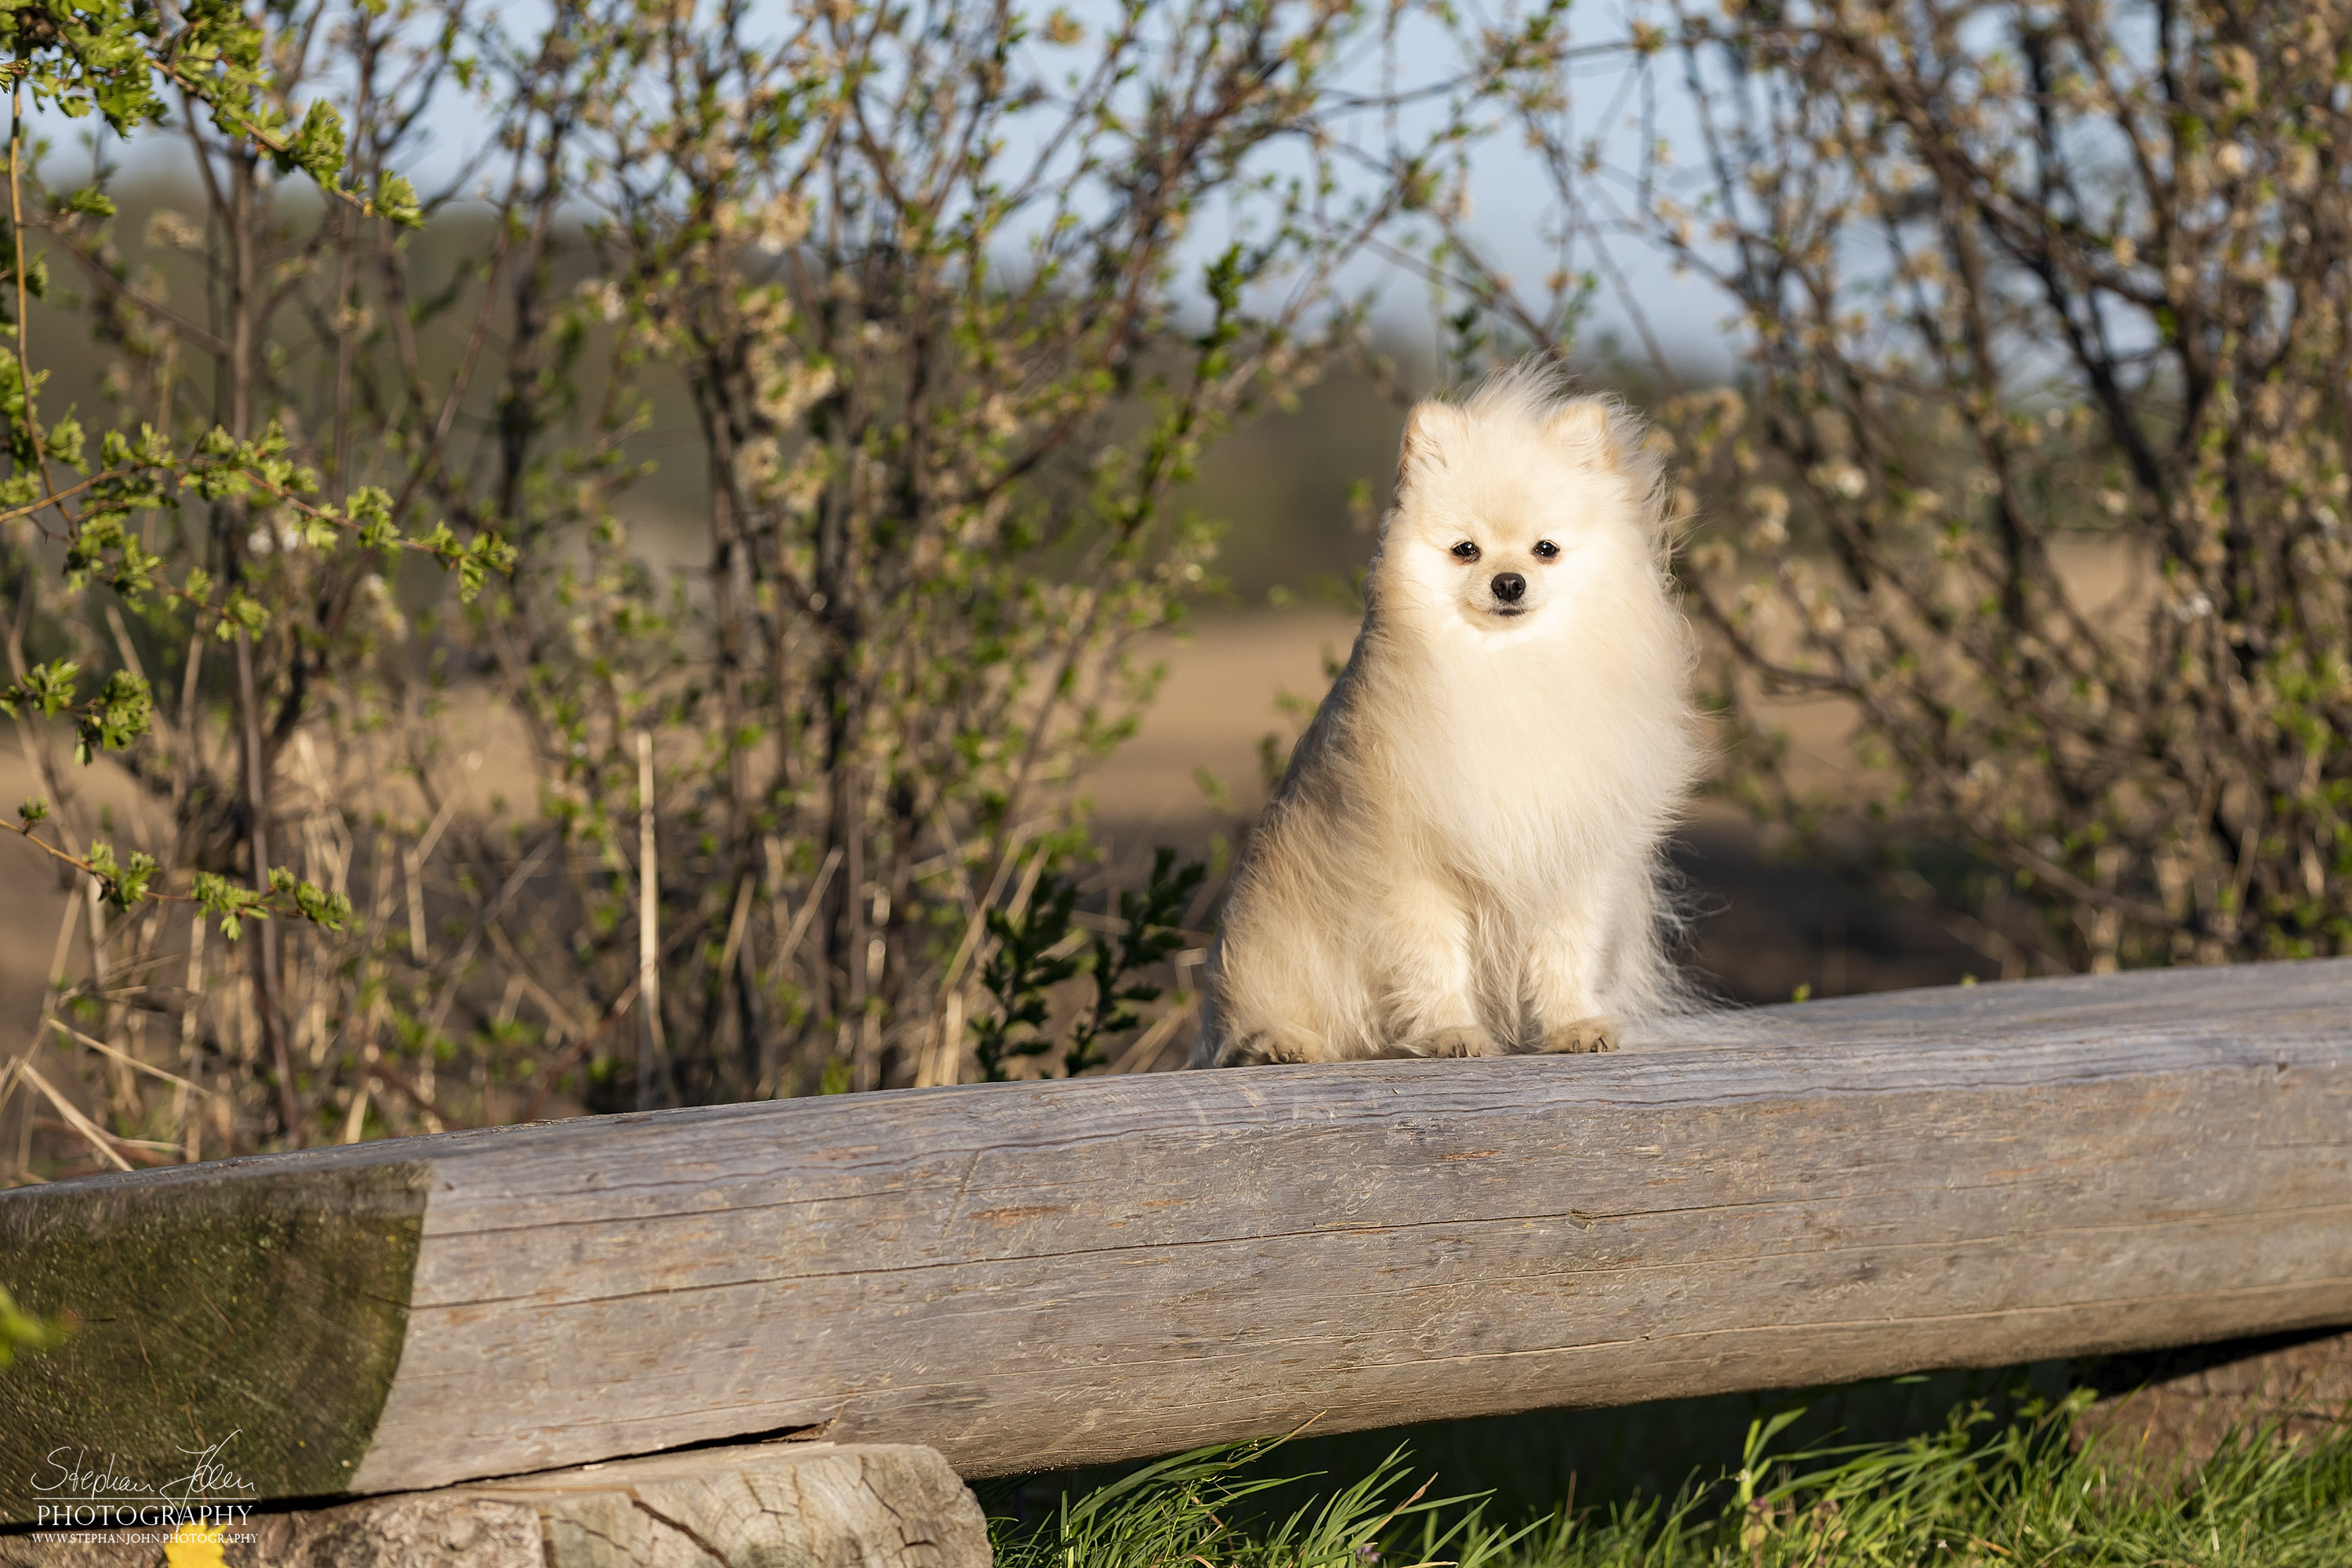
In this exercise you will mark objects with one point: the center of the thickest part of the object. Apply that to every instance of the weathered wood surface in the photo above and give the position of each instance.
(780, 1505)
(1041, 1275)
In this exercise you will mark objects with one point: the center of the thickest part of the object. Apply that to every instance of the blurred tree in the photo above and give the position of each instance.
(2021, 285)
(216, 531)
(943, 302)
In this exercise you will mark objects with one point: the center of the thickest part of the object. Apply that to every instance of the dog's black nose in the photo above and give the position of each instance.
(1508, 586)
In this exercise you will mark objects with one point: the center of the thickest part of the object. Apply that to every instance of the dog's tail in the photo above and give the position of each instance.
(1211, 1048)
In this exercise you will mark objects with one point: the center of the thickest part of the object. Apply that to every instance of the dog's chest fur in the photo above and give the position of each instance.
(1515, 759)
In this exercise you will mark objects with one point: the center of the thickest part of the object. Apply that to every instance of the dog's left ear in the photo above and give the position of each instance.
(1582, 427)
(1428, 429)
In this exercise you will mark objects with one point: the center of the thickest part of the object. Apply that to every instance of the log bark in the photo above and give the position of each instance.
(797, 1505)
(1033, 1276)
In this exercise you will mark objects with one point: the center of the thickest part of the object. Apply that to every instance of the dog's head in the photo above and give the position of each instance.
(1520, 511)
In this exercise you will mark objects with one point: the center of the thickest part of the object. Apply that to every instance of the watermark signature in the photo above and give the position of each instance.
(72, 1491)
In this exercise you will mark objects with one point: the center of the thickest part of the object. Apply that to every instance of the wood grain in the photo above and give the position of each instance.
(1029, 1276)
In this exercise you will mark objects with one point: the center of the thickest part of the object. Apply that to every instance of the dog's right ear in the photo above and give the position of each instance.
(1581, 424)
(1427, 429)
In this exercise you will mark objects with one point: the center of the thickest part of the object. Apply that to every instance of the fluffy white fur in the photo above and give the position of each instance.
(1463, 858)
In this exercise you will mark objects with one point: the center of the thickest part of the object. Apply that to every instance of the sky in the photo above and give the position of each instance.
(1511, 195)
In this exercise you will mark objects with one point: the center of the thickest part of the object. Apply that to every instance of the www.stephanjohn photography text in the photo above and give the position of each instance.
(75, 1488)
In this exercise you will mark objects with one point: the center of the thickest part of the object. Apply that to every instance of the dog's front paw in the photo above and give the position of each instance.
(1468, 1041)
(1582, 1036)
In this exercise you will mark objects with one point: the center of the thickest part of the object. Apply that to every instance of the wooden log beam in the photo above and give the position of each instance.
(1032, 1276)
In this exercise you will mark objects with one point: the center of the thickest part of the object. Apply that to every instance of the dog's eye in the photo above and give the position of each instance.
(1546, 549)
(1465, 551)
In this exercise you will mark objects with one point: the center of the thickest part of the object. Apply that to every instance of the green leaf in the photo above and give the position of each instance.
(371, 510)
(123, 712)
(23, 1331)
(395, 201)
(122, 885)
(47, 688)
(318, 148)
(240, 612)
(64, 440)
(235, 904)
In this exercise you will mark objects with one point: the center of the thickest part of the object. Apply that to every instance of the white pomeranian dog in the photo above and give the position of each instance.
(1465, 856)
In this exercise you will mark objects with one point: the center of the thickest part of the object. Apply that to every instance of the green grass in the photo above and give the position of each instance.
(1984, 1491)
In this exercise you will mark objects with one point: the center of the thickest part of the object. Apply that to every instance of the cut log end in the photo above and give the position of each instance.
(245, 1331)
